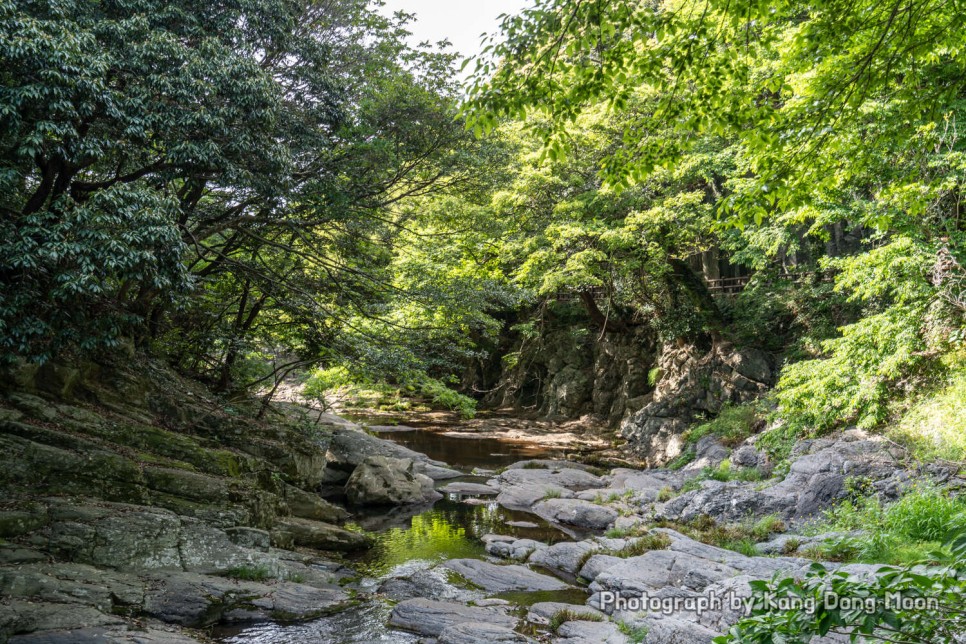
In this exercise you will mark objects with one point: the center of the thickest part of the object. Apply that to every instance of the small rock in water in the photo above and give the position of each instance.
(468, 489)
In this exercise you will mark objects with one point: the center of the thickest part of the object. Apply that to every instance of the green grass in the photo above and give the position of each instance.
(645, 543)
(935, 427)
(636, 634)
(621, 533)
(732, 426)
(744, 546)
(740, 537)
(250, 573)
(614, 497)
(909, 530)
(687, 456)
(561, 617)
(552, 494)
(690, 485)
(725, 472)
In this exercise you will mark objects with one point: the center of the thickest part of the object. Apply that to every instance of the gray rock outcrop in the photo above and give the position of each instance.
(381, 480)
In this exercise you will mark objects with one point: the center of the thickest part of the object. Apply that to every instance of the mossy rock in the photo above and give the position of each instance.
(188, 485)
(14, 523)
(90, 471)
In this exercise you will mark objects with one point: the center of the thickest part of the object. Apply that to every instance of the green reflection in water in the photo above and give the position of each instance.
(449, 530)
(527, 599)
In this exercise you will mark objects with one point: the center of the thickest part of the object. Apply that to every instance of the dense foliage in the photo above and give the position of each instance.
(254, 187)
(223, 183)
(836, 133)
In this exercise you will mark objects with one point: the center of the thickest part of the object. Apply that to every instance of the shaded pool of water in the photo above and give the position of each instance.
(417, 537)
(467, 452)
(450, 529)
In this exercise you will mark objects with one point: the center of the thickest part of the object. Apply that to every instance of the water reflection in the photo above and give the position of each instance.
(451, 529)
(414, 538)
(467, 452)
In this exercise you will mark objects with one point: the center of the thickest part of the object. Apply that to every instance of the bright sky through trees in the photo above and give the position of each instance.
(460, 21)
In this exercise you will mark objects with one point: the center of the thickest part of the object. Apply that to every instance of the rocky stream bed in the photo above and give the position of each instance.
(145, 516)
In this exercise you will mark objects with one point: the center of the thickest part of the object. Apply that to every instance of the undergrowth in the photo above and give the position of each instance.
(909, 530)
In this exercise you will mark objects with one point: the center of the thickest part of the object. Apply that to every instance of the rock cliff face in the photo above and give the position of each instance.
(693, 383)
(571, 371)
(652, 392)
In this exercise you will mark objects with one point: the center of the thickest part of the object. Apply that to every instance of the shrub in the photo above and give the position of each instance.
(733, 424)
(857, 377)
(906, 531)
(249, 573)
(935, 427)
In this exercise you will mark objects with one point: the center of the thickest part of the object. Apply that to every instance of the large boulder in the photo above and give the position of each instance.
(816, 480)
(380, 480)
(348, 448)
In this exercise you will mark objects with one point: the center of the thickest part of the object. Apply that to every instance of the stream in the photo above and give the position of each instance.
(411, 539)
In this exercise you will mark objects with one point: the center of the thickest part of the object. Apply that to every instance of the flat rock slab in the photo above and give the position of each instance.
(577, 513)
(523, 496)
(596, 565)
(679, 631)
(479, 633)
(430, 617)
(569, 478)
(495, 578)
(521, 487)
(468, 489)
(659, 569)
(99, 635)
(590, 633)
(548, 463)
(432, 583)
